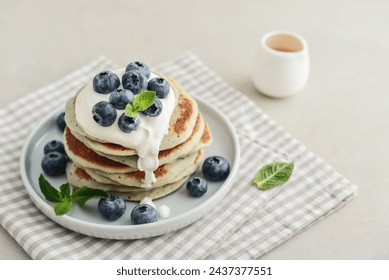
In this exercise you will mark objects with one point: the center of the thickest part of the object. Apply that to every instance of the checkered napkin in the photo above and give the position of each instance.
(245, 225)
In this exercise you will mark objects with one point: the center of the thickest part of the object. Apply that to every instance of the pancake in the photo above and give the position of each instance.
(86, 158)
(195, 142)
(83, 156)
(78, 177)
(205, 140)
(181, 125)
(165, 174)
(99, 178)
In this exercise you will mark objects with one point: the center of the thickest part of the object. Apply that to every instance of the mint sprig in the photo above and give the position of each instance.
(64, 199)
(273, 175)
(141, 102)
(83, 194)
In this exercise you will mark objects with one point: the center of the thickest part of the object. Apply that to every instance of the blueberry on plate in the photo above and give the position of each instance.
(160, 86)
(137, 65)
(104, 113)
(54, 146)
(135, 81)
(61, 121)
(143, 214)
(154, 110)
(216, 168)
(54, 164)
(127, 124)
(119, 98)
(112, 208)
(197, 186)
(106, 82)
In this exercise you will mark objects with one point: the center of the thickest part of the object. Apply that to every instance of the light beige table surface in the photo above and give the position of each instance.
(342, 115)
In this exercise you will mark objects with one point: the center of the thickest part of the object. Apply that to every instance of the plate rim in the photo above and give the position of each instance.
(126, 232)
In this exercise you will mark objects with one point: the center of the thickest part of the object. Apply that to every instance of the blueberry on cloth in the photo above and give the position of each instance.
(137, 65)
(135, 81)
(119, 98)
(104, 113)
(154, 110)
(54, 146)
(144, 214)
(160, 86)
(61, 121)
(216, 168)
(112, 208)
(197, 186)
(54, 164)
(127, 124)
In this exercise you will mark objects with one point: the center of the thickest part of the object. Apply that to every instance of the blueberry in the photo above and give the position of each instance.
(135, 81)
(127, 124)
(119, 98)
(106, 82)
(216, 168)
(160, 86)
(112, 208)
(143, 214)
(154, 110)
(54, 164)
(54, 146)
(104, 113)
(197, 186)
(61, 121)
(137, 65)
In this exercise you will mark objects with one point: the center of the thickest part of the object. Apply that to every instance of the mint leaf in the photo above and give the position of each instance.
(83, 194)
(130, 111)
(65, 191)
(141, 102)
(273, 175)
(144, 100)
(64, 199)
(62, 207)
(50, 193)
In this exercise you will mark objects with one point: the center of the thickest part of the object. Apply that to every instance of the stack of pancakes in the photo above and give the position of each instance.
(113, 168)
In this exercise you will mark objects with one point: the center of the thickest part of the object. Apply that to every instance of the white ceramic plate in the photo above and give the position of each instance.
(87, 220)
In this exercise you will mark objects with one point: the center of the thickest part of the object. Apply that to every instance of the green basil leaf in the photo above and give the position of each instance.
(144, 100)
(50, 193)
(62, 207)
(65, 191)
(83, 194)
(130, 112)
(128, 109)
(273, 175)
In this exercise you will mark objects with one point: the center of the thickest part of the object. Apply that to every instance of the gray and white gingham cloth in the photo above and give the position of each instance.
(247, 223)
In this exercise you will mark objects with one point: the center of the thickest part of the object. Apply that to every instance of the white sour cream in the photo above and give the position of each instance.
(146, 139)
(162, 210)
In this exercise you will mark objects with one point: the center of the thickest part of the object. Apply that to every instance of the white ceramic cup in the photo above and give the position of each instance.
(281, 64)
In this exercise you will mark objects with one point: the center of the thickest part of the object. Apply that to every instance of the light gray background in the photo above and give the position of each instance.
(341, 115)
